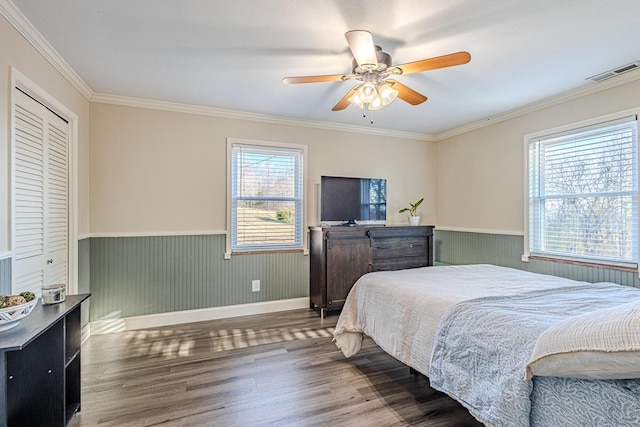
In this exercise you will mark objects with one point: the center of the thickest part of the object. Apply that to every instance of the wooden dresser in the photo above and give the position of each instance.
(340, 255)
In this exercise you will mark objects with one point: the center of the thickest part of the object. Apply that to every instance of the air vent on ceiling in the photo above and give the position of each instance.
(615, 72)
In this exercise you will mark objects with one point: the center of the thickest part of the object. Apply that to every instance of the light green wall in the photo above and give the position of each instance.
(84, 272)
(5, 276)
(132, 276)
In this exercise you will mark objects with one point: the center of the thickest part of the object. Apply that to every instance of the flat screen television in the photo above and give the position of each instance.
(348, 201)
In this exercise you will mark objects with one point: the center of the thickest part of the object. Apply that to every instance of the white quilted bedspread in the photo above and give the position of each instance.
(401, 310)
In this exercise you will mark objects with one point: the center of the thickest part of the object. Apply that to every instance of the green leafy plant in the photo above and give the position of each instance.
(413, 207)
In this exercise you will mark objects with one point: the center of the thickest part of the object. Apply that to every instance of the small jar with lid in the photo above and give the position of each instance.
(53, 294)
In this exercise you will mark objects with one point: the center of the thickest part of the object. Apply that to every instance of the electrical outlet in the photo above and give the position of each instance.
(255, 286)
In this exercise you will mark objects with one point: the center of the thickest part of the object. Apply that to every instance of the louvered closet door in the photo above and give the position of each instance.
(57, 218)
(40, 196)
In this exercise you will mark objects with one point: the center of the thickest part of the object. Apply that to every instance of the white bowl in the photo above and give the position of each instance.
(10, 316)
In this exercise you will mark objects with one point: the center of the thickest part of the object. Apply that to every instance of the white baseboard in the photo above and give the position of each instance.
(188, 316)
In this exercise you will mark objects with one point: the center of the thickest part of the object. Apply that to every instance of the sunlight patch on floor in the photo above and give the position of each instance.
(224, 340)
(180, 342)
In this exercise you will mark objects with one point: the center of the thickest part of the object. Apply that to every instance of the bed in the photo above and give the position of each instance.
(515, 348)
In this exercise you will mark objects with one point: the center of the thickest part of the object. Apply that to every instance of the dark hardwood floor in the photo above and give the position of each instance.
(279, 369)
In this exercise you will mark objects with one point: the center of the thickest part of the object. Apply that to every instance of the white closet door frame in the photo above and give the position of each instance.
(19, 80)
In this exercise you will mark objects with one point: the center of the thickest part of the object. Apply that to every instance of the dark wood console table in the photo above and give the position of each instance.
(339, 255)
(40, 366)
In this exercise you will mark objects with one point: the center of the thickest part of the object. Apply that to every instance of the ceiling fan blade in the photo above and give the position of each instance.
(407, 94)
(450, 60)
(313, 79)
(344, 102)
(362, 47)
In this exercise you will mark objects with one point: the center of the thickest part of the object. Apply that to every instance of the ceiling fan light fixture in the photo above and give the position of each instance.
(368, 91)
(387, 94)
(376, 104)
(372, 67)
(356, 101)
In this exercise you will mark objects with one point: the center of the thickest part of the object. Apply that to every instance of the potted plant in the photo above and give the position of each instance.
(412, 209)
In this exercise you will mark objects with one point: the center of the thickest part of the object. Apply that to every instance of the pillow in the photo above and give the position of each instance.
(603, 344)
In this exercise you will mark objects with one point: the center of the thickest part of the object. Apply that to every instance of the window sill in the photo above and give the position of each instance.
(228, 255)
(593, 264)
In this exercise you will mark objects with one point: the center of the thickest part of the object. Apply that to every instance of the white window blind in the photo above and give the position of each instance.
(266, 197)
(583, 193)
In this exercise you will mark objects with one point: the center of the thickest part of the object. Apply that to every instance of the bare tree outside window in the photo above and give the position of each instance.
(583, 194)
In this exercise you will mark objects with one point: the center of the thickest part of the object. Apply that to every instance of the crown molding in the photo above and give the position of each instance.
(33, 36)
(489, 121)
(545, 103)
(243, 115)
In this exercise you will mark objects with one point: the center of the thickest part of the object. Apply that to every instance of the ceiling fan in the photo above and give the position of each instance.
(372, 68)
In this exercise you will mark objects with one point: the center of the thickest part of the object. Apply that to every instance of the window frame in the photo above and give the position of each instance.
(231, 142)
(577, 127)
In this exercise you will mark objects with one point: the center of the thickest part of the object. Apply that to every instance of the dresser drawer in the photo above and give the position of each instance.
(396, 247)
(400, 264)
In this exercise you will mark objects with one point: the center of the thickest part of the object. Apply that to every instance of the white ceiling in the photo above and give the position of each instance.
(233, 54)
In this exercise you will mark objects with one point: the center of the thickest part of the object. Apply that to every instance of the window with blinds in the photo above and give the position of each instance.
(266, 197)
(583, 193)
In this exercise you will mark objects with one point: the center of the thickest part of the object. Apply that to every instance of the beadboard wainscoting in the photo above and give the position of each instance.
(136, 276)
(5, 276)
(84, 276)
(457, 247)
(164, 279)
